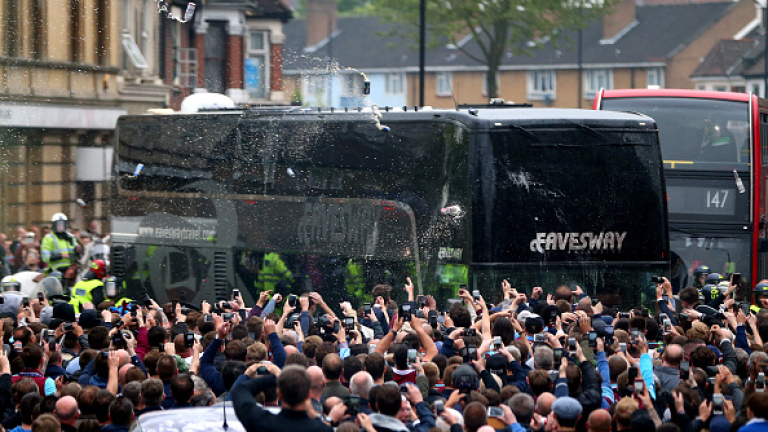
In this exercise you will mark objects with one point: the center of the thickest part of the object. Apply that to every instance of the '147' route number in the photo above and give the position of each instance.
(717, 198)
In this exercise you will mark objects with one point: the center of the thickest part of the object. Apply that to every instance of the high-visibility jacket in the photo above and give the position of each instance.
(354, 281)
(454, 275)
(53, 245)
(123, 300)
(82, 293)
(272, 272)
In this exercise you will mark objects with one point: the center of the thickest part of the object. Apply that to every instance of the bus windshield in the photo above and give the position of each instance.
(695, 135)
(723, 253)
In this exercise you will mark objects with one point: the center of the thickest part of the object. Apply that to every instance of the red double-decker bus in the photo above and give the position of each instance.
(714, 146)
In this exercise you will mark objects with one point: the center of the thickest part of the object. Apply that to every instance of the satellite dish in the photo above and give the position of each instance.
(195, 102)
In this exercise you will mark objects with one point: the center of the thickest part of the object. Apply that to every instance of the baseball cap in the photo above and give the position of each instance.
(567, 408)
(497, 365)
(534, 324)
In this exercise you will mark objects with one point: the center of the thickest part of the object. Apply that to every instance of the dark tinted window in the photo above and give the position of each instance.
(568, 194)
(695, 134)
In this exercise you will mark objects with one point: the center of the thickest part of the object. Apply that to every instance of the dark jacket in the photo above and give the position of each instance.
(334, 388)
(169, 401)
(257, 419)
(115, 428)
(590, 395)
(139, 412)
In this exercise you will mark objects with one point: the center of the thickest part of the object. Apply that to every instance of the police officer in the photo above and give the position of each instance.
(273, 271)
(91, 288)
(114, 290)
(354, 281)
(58, 247)
(700, 275)
(761, 297)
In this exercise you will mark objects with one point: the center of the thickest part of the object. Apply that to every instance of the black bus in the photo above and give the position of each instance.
(336, 202)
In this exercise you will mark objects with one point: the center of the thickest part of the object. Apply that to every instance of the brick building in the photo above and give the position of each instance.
(643, 42)
(233, 47)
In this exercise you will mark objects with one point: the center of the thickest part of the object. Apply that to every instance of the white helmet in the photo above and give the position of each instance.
(59, 223)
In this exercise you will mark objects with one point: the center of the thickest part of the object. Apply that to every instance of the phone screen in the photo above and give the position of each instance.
(639, 386)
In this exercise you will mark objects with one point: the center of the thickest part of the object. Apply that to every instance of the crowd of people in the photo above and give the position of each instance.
(533, 362)
(23, 252)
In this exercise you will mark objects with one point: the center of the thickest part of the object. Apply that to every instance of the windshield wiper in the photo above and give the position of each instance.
(526, 132)
(594, 133)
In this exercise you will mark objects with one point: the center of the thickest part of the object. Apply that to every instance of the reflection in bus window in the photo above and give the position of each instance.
(715, 133)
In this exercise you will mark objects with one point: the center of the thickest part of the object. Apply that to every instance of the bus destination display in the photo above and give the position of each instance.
(701, 200)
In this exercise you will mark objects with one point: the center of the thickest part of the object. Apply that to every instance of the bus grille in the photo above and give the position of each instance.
(118, 261)
(220, 275)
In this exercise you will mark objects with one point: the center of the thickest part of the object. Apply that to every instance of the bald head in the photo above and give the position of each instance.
(330, 403)
(585, 305)
(125, 358)
(290, 349)
(121, 373)
(544, 404)
(599, 421)
(361, 384)
(66, 410)
(673, 355)
(486, 428)
(317, 383)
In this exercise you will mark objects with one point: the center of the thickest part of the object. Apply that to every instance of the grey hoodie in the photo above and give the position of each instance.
(383, 423)
(669, 377)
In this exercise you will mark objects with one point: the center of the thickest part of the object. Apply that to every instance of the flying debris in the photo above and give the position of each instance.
(162, 8)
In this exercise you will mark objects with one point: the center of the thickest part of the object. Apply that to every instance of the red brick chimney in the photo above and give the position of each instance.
(622, 16)
(321, 20)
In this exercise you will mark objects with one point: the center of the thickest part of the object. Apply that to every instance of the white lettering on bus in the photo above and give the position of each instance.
(333, 223)
(574, 242)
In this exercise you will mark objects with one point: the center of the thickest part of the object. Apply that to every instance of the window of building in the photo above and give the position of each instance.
(485, 85)
(257, 65)
(655, 77)
(186, 67)
(102, 32)
(597, 79)
(38, 29)
(215, 43)
(395, 83)
(12, 28)
(76, 31)
(444, 84)
(541, 85)
(351, 84)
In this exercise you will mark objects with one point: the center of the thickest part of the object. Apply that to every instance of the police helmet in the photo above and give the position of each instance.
(98, 270)
(112, 286)
(11, 285)
(761, 289)
(56, 274)
(701, 270)
(713, 279)
(59, 223)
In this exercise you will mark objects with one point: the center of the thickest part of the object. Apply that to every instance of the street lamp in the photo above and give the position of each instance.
(422, 37)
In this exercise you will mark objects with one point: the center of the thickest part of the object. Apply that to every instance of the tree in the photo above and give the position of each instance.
(496, 26)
